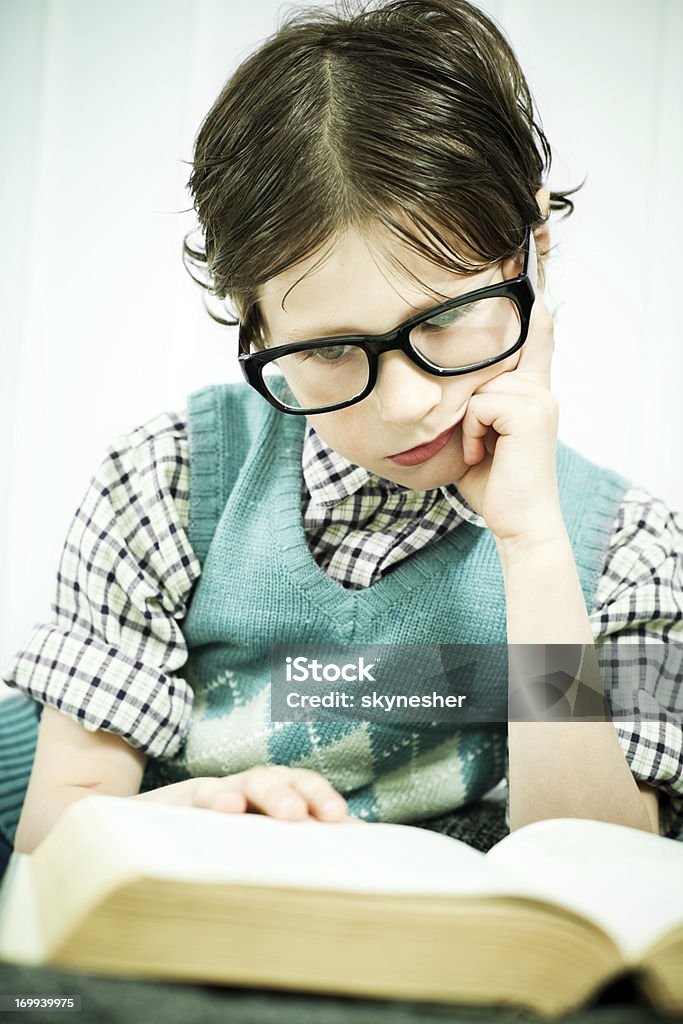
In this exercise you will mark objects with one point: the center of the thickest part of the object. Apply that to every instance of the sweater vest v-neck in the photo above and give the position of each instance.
(260, 585)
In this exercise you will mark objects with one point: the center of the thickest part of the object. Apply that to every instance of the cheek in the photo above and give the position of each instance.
(333, 427)
(341, 430)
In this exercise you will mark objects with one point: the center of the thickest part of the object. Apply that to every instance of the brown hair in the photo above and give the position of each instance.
(414, 115)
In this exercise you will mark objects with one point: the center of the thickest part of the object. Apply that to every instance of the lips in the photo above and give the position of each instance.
(423, 452)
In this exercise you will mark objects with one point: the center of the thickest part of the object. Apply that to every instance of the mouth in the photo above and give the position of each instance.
(423, 452)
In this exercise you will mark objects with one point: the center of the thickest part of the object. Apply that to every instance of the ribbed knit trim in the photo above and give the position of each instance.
(19, 722)
(223, 421)
(347, 607)
(206, 467)
(233, 411)
(579, 481)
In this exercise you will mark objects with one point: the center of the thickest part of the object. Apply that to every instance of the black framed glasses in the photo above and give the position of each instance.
(461, 335)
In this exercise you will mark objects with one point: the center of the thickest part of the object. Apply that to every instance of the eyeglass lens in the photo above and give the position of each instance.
(464, 336)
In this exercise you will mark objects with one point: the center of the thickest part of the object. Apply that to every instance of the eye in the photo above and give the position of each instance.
(332, 354)
(449, 317)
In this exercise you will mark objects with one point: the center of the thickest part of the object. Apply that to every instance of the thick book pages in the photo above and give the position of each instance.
(549, 916)
(627, 881)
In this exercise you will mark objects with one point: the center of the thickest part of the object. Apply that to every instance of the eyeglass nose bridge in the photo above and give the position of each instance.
(390, 342)
(399, 340)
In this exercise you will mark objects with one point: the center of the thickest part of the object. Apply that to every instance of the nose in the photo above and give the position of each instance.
(404, 392)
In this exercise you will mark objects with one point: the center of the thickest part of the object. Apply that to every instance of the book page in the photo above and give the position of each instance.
(19, 931)
(628, 881)
(194, 844)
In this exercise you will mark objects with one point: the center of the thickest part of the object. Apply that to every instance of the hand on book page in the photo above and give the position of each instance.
(293, 794)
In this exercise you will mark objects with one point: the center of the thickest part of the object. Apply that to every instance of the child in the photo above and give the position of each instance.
(357, 174)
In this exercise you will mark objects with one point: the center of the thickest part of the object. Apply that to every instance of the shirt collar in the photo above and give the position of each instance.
(331, 477)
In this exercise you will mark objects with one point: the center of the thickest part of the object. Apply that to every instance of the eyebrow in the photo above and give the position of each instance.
(294, 336)
(329, 332)
(314, 333)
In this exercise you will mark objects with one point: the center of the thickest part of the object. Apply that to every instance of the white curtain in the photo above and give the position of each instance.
(101, 328)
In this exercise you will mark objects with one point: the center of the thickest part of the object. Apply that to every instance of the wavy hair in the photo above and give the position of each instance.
(414, 115)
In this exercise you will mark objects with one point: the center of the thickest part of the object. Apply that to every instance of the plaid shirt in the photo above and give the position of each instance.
(127, 571)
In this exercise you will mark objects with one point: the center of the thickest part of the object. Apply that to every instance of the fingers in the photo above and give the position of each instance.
(477, 436)
(216, 794)
(289, 793)
(325, 802)
(496, 411)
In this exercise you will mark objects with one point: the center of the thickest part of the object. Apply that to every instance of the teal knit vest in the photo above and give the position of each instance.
(260, 585)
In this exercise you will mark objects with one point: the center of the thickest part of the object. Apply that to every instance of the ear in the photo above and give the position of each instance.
(542, 234)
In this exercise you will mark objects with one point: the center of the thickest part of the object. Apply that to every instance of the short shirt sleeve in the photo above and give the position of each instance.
(109, 657)
(640, 597)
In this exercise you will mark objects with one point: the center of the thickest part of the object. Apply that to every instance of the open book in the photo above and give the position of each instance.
(546, 919)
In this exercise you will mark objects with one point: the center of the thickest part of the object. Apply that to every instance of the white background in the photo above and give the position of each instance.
(102, 329)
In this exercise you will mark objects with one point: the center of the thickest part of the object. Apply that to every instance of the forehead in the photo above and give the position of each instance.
(359, 282)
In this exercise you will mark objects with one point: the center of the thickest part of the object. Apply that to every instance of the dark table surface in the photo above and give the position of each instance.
(106, 1000)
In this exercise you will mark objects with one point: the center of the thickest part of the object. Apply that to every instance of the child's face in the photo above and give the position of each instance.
(357, 290)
